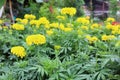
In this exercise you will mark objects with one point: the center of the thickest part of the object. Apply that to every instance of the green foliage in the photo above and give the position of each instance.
(113, 7)
(75, 59)
(2, 3)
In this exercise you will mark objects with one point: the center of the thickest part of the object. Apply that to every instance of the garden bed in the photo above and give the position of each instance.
(66, 48)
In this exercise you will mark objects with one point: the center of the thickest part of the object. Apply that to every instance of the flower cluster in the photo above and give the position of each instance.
(95, 25)
(34, 22)
(22, 21)
(42, 20)
(110, 19)
(91, 39)
(36, 39)
(54, 25)
(115, 29)
(29, 16)
(68, 10)
(108, 37)
(17, 26)
(19, 51)
(83, 20)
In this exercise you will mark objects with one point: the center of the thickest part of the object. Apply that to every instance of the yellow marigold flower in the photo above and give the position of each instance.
(17, 26)
(95, 25)
(108, 37)
(49, 32)
(118, 31)
(68, 10)
(82, 20)
(57, 47)
(43, 20)
(35, 22)
(36, 39)
(29, 16)
(18, 19)
(109, 26)
(54, 25)
(92, 39)
(19, 51)
(1, 21)
(61, 26)
(110, 19)
(47, 26)
(119, 26)
(84, 27)
(68, 29)
(24, 21)
(114, 32)
(104, 37)
(61, 17)
(115, 28)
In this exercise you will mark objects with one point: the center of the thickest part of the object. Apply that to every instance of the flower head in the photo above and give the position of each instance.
(108, 37)
(19, 51)
(83, 20)
(36, 39)
(29, 16)
(17, 26)
(24, 21)
(91, 39)
(95, 25)
(68, 10)
(43, 20)
(110, 19)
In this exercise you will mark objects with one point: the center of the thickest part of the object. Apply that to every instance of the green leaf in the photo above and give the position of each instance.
(63, 75)
(105, 61)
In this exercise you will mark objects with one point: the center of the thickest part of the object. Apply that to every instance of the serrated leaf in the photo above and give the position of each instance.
(105, 61)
